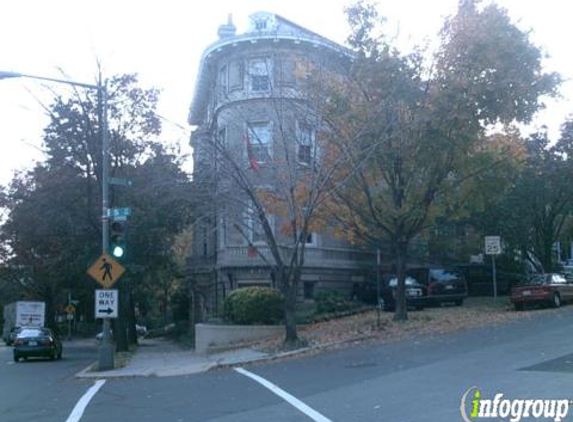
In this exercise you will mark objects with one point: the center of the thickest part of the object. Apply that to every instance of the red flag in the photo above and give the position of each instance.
(251, 251)
(252, 160)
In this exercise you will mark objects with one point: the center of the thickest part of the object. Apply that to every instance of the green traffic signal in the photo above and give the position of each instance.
(117, 251)
(118, 234)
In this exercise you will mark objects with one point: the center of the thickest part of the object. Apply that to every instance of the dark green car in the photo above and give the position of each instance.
(37, 342)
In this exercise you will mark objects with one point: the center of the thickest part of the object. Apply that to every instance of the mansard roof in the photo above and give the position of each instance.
(263, 26)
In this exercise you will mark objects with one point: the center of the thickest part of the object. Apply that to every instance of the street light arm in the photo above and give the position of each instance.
(5, 75)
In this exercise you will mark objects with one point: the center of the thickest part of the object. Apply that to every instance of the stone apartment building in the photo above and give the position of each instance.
(242, 83)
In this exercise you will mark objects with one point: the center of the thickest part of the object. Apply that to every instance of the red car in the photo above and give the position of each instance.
(549, 289)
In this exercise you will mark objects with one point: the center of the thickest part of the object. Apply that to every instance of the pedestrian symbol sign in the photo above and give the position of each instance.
(106, 270)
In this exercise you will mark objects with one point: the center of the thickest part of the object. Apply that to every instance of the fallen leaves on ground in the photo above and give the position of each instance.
(475, 312)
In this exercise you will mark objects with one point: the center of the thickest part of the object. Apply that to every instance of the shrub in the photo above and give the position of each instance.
(332, 302)
(254, 305)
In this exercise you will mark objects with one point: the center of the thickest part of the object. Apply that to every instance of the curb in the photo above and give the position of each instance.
(86, 373)
(290, 353)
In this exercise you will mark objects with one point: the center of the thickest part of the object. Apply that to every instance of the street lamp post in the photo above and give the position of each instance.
(106, 360)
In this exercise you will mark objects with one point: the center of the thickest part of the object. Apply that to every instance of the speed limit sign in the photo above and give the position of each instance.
(492, 245)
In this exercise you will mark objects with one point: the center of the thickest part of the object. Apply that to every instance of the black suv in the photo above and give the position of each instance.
(415, 293)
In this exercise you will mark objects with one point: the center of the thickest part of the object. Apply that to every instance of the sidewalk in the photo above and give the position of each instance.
(163, 358)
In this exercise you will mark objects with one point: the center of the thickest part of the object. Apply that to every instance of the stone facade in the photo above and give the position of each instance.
(256, 86)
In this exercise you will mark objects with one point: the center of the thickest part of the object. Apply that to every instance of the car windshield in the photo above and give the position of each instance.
(33, 332)
(393, 282)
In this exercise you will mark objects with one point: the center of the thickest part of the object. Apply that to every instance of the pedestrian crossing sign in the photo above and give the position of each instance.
(106, 270)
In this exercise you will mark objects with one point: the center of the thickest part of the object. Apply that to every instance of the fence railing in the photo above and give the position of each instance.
(247, 256)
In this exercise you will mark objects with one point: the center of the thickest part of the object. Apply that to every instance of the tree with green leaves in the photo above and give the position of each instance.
(423, 127)
(53, 227)
(534, 212)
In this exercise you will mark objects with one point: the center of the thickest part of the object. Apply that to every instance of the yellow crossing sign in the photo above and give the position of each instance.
(106, 270)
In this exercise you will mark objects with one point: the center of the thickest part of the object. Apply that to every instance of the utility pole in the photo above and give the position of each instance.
(106, 350)
(378, 305)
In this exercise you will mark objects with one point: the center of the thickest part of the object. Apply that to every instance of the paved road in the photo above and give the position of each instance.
(414, 380)
(42, 390)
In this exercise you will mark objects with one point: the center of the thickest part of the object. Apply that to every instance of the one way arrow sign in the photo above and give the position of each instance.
(106, 303)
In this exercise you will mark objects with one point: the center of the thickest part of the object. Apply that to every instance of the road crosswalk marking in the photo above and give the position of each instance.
(289, 398)
(81, 405)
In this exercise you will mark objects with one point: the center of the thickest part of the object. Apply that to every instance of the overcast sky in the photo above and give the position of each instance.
(162, 41)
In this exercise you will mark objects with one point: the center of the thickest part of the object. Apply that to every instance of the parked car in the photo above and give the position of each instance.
(415, 293)
(99, 336)
(537, 289)
(37, 342)
(141, 330)
(443, 285)
(9, 339)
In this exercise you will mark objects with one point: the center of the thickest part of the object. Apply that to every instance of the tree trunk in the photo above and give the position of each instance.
(401, 312)
(132, 330)
(289, 289)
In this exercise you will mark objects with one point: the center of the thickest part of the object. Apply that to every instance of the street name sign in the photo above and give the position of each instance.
(106, 270)
(106, 303)
(492, 245)
(119, 213)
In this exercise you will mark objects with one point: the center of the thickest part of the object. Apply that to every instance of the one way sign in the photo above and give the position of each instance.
(106, 303)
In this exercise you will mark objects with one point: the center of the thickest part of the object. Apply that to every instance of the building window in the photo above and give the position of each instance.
(223, 80)
(255, 229)
(311, 239)
(222, 137)
(258, 143)
(205, 244)
(305, 143)
(259, 75)
(308, 290)
(284, 69)
(236, 75)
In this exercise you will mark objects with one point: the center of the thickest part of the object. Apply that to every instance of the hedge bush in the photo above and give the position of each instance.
(332, 302)
(254, 305)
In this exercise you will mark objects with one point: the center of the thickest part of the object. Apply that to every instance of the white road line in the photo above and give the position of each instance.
(310, 412)
(81, 405)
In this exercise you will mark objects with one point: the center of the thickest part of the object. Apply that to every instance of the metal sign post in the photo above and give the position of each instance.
(378, 288)
(493, 248)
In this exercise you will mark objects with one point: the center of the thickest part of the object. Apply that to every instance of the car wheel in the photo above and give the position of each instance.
(556, 300)
(60, 355)
(459, 302)
(518, 306)
(16, 358)
(53, 356)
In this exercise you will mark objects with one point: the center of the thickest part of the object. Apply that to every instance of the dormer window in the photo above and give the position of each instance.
(262, 21)
(261, 24)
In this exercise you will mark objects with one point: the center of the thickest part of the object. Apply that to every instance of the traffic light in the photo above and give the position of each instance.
(118, 237)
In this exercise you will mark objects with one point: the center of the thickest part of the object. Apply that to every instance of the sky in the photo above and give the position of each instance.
(162, 41)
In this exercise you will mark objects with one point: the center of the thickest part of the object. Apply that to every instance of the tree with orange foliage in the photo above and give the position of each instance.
(416, 133)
